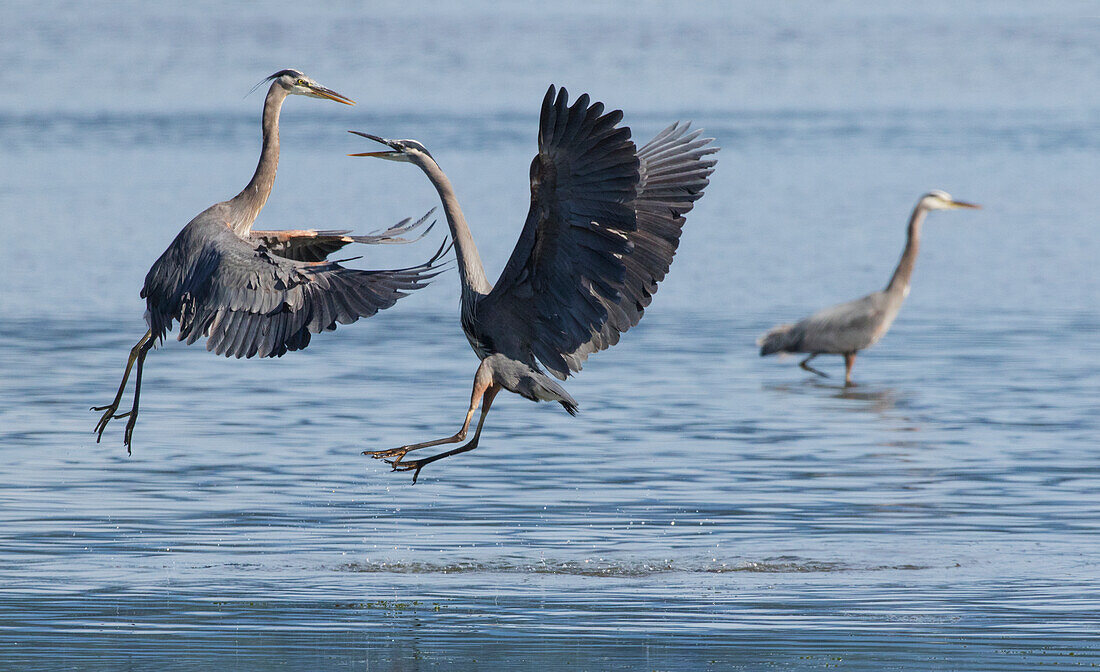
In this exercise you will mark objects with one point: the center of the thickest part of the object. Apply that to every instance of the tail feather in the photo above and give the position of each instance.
(776, 340)
(540, 387)
(557, 393)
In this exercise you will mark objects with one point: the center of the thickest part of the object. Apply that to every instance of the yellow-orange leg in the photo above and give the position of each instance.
(137, 354)
(417, 465)
(849, 362)
(483, 379)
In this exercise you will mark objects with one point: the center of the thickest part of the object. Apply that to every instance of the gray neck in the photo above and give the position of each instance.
(899, 283)
(246, 205)
(470, 271)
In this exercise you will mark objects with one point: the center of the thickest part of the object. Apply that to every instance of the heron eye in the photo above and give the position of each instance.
(301, 82)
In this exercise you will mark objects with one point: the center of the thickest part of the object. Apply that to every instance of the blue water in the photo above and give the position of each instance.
(708, 509)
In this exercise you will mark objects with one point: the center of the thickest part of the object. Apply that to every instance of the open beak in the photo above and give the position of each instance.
(964, 204)
(378, 155)
(322, 92)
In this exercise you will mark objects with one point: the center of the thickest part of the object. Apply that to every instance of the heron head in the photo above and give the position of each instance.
(297, 83)
(941, 200)
(408, 151)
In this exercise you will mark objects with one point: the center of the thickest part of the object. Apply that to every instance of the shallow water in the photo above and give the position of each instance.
(708, 509)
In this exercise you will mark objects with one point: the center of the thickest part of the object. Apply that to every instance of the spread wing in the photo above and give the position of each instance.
(604, 223)
(309, 245)
(250, 302)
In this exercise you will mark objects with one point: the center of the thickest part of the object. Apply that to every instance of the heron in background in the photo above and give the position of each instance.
(847, 328)
(260, 293)
(604, 223)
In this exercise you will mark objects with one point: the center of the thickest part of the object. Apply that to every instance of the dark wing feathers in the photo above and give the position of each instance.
(249, 301)
(673, 174)
(604, 224)
(309, 245)
(582, 183)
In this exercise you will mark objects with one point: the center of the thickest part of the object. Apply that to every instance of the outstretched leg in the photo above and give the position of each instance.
(483, 379)
(137, 396)
(849, 361)
(805, 364)
(398, 465)
(137, 352)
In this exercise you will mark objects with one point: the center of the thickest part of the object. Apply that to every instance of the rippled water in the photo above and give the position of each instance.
(708, 509)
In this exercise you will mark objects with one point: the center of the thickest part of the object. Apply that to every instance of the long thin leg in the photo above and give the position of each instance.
(137, 396)
(398, 465)
(805, 364)
(849, 361)
(482, 381)
(110, 408)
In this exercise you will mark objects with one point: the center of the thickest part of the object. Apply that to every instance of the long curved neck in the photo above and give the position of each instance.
(899, 283)
(470, 270)
(251, 200)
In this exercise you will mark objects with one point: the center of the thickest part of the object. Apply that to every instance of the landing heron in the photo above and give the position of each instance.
(259, 293)
(847, 328)
(604, 223)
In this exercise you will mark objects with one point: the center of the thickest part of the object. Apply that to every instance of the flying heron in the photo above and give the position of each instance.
(847, 328)
(604, 223)
(259, 292)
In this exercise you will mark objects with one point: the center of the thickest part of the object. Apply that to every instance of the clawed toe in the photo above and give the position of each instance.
(398, 465)
(101, 426)
(415, 466)
(392, 452)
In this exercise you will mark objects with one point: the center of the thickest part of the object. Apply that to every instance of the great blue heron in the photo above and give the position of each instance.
(847, 328)
(604, 223)
(259, 292)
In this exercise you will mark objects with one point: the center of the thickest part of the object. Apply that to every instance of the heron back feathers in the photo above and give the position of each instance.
(840, 329)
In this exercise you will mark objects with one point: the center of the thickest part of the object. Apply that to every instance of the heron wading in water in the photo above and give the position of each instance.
(260, 293)
(604, 223)
(847, 328)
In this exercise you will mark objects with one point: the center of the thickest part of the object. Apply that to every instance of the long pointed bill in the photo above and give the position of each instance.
(378, 155)
(964, 204)
(368, 136)
(322, 92)
(391, 155)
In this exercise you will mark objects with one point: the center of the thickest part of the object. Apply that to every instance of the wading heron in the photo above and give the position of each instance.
(604, 223)
(847, 328)
(259, 293)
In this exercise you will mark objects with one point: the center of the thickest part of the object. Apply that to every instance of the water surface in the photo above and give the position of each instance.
(708, 509)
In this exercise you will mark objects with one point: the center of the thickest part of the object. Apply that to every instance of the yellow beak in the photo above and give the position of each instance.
(964, 204)
(323, 92)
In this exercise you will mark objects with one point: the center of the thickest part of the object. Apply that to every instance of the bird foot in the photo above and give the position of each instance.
(105, 418)
(392, 452)
(811, 369)
(129, 435)
(109, 415)
(417, 465)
